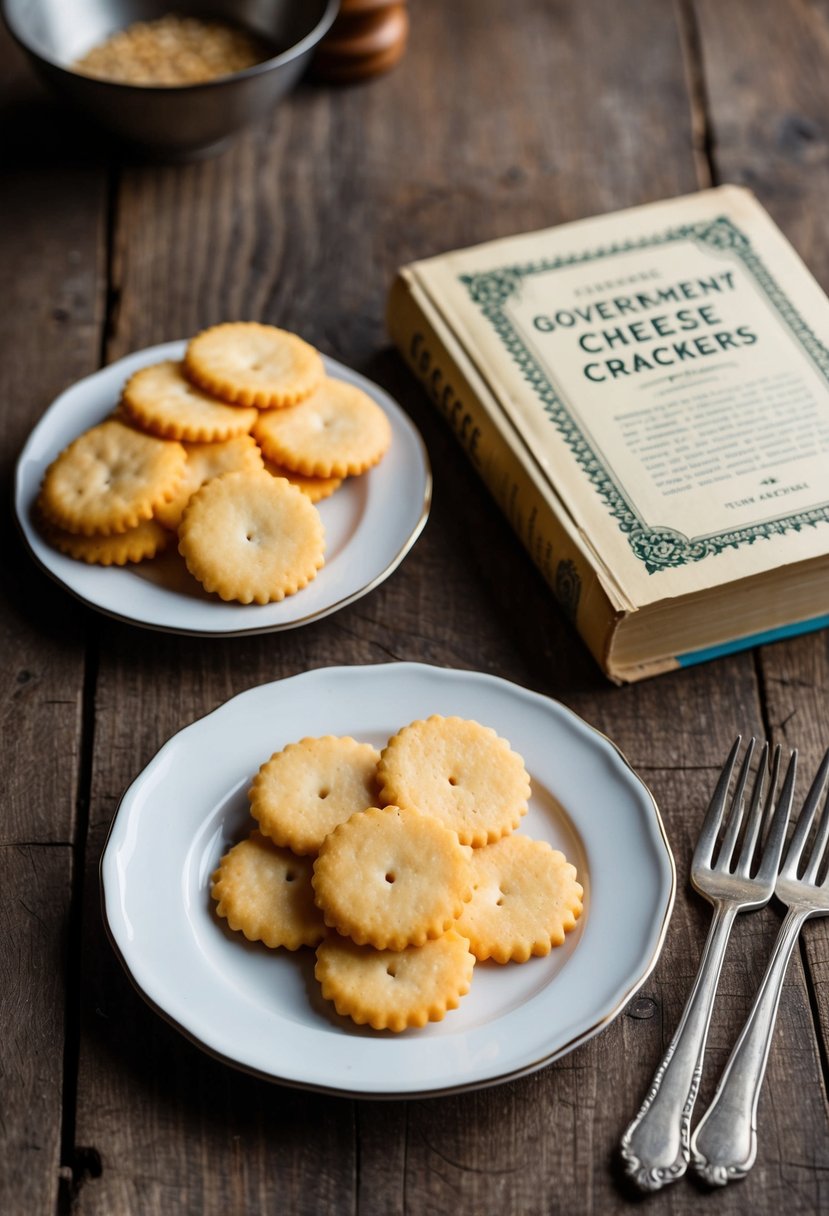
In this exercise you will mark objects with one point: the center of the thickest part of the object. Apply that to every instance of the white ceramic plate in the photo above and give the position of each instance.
(370, 523)
(261, 1009)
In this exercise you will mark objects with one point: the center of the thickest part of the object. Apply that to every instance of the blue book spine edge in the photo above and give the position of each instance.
(755, 639)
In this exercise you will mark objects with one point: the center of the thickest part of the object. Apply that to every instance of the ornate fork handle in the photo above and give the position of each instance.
(724, 1144)
(655, 1146)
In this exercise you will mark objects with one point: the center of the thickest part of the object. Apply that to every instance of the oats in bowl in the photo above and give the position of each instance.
(172, 51)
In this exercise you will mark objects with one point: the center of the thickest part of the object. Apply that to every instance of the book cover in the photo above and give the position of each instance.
(652, 389)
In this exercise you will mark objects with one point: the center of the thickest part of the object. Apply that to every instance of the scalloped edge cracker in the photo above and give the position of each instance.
(265, 892)
(393, 990)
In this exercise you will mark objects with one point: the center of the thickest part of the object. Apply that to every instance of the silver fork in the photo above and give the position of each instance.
(655, 1146)
(724, 1144)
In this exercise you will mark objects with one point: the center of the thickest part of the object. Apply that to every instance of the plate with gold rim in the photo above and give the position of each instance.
(370, 523)
(261, 1010)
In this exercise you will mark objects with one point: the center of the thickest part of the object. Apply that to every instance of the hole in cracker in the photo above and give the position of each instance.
(324, 793)
(391, 970)
(290, 876)
(390, 876)
(453, 781)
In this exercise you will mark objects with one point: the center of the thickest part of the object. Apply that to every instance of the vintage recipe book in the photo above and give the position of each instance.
(646, 394)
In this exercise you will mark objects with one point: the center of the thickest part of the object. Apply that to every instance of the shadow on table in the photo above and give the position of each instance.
(37, 132)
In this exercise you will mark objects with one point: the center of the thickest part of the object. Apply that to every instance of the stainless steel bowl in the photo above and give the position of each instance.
(171, 122)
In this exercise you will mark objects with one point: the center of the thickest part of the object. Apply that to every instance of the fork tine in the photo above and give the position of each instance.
(735, 816)
(804, 822)
(776, 836)
(771, 797)
(819, 848)
(713, 816)
(757, 808)
(823, 831)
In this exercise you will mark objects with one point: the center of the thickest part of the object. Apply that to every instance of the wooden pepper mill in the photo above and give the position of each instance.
(368, 37)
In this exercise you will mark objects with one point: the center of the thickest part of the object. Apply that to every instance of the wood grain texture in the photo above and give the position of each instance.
(52, 224)
(36, 884)
(796, 685)
(491, 125)
(767, 111)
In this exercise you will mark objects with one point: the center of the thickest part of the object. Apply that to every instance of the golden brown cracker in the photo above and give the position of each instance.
(251, 364)
(205, 461)
(251, 537)
(305, 790)
(110, 479)
(160, 399)
(137, 544)
(265, 892)
(316, 488)
(339, 431)
(391, 878)
(526, 897)
(392, 990)
(458, 771)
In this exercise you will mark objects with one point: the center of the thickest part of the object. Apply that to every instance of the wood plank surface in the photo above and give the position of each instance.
(52, 224)
(52, 228)
(36, 885)
(497, 121)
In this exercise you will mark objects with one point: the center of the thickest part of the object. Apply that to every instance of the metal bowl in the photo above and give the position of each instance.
(169, 121)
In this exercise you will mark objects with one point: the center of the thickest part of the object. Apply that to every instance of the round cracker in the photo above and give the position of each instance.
(251, 537)
(458, 771)
(137, 544)
(110, 479)
(526, 897)
(306, 790)
(265, 892)
(316, 488)
(251, 364)
(391, 990)
(391, 878)
(161, 399)
(205, 461)
(338, 432)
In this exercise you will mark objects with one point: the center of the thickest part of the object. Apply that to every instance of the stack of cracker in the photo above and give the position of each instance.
(402, 868)
(228, 450)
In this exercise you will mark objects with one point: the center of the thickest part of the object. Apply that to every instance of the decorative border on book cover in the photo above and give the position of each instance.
(659, 548)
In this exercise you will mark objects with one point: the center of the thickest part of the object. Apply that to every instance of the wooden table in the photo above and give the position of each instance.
(502, 118)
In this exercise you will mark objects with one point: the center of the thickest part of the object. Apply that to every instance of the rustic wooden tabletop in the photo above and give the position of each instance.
(501, 118)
